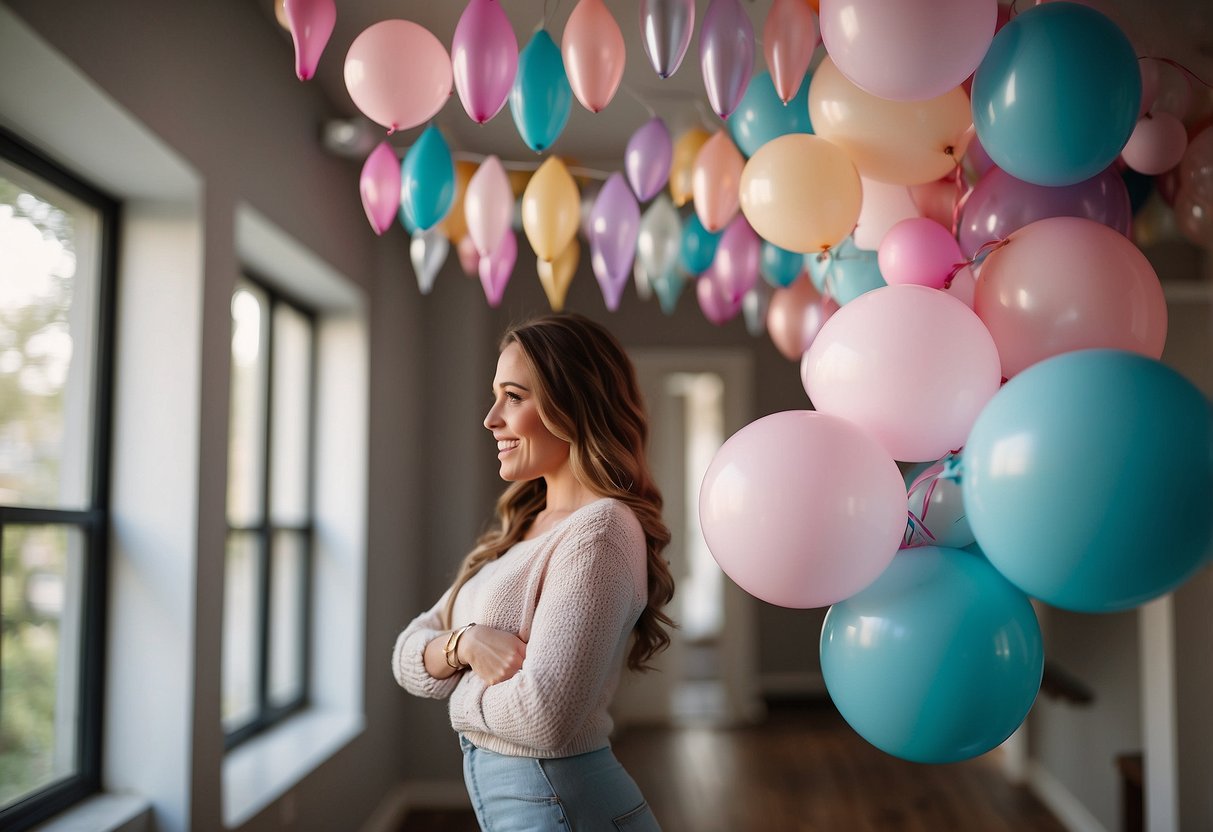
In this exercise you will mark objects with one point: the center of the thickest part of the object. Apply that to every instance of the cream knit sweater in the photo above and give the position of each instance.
(573, 594)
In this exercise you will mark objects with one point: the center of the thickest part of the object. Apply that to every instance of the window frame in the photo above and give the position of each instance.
(268, 715)
(93, 522)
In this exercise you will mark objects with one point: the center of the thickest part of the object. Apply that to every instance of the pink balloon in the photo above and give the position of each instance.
(379, 185)
(716, 181)
(1067, 283)
(789, 37)
(715, 305)
(918, 250)
(484, 59)
(488, 205)
(909, 364)
(884, 205)
(398, 74)
(469, 258)
(795, 315)
(802, 509)
(737, 259)
(1156, 145)
(964, 286)
(937, 200)
(894, 50)
(594, 54)
(311, 25)
(495, 270)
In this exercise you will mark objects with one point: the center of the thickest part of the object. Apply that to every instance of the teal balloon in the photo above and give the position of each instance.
(698, 247)
(851, 272)
(541, 98)
(427, 181)
(1056, 97)
(1088, 478)
(668, 288)
(780, 267)
(939, 660)
(761, 116)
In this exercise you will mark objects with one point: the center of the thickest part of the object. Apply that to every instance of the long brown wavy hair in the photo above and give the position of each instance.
(586, 392)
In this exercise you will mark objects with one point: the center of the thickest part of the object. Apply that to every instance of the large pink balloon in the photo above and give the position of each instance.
(484, 58)
(1067, 283)
(1001, 204)
(594, 54)
(311, 24)
(911, 365)
(883, 206)
(802, 509)
(919, 250)
(398, 74)
(908, 50)
(379, 185)
(488, 205)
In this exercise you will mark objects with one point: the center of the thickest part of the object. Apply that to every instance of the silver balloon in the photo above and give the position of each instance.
(665, 28)
(726, 54)
(754, 306)
(660, 237)
(428, 251)
(644, 287)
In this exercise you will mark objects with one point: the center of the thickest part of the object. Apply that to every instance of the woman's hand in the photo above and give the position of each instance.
(495, 655)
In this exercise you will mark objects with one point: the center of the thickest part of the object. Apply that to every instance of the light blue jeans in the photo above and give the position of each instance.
(584, 793)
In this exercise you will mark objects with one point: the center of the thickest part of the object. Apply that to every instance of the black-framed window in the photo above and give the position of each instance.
(58, 250)
(268, 563)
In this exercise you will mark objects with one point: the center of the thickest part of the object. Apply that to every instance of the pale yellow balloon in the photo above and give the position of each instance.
(801, 192)
(551, 209)
(686, 148)
(455, 224)
(280, 14)
(556, 275)
(715, 177)
(903, 142)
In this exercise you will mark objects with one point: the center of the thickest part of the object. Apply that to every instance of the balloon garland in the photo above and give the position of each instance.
(946, 246)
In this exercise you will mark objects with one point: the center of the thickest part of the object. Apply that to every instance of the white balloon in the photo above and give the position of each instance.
(428, 251)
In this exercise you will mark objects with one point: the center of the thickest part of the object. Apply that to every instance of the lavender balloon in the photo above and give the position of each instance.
(496, 268)
(1000, 204)
(648, 157)
(726, 54)
(666, 27)
(738, 259)
(484, 59)
(614, 227)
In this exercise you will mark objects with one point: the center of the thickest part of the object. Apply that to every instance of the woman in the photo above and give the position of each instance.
(529, 641)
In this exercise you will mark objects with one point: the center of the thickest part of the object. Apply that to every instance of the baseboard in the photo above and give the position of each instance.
(1068, 809)
(416, 794)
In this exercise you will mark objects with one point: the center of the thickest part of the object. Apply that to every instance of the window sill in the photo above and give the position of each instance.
(103, 813)
(264, 768)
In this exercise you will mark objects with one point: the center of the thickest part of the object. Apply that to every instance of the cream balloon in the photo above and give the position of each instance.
(903, 142)
(551, 208)
(556, 275)
(715, 178)
(801, 193)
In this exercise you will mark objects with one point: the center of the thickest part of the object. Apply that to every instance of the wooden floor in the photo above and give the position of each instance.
(803, 770)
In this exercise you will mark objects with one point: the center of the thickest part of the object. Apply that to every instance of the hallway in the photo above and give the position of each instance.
(803, 770)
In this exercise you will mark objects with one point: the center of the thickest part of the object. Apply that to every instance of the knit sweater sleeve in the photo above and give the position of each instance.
(588, 606)
(408, 656)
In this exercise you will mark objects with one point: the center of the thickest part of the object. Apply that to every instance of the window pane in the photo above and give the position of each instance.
(287, 617)
(48, 309)
(246, 440)
(39, 676)
(241, 620)
(290, 462)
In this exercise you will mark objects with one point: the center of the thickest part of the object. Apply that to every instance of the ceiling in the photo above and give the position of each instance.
(1181, 30)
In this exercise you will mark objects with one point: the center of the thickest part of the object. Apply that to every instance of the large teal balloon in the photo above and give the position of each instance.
(937, 661)
(541, 98)
(849, 272)
(1088, 480)
(779, 266)
(761, 116)
(698, 246)
(1056, 96)
(427, 181)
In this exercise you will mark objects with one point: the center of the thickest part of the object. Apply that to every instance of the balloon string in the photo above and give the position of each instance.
(588, 173)
(627, 89)
(985, 248)
(1177, 65)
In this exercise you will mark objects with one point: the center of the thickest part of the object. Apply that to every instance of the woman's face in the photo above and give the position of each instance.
(526, 448)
